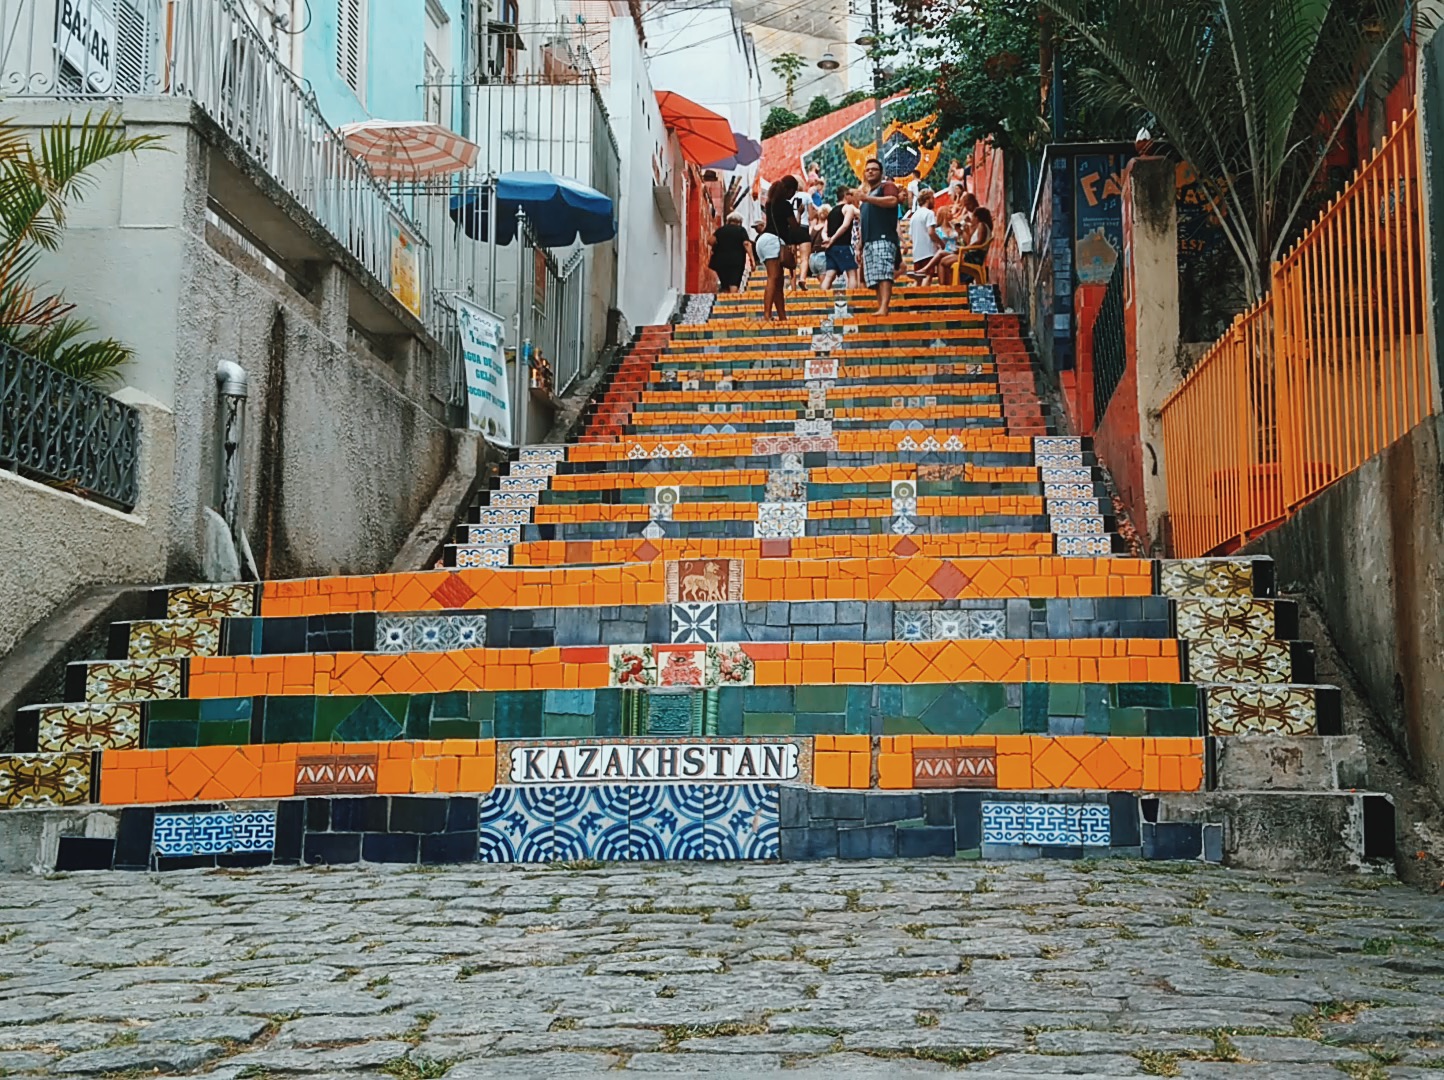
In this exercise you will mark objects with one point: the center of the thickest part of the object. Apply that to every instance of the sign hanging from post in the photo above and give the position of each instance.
(488, 401)
(405, 267)
(85, 34)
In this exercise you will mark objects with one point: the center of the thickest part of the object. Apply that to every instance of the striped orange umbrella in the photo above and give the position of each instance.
(408, 149)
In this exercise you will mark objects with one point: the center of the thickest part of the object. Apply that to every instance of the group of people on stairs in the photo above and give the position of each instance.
(855, 239)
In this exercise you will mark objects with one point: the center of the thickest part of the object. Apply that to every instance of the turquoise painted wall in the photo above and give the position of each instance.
(395, 41)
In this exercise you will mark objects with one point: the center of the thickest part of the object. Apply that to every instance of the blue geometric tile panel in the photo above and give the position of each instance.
(629, 822)
(220, 833)
(1046, 824)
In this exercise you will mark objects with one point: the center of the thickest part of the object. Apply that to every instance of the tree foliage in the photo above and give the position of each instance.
(787, 67)
(778, 121)
(1252, 93)
(852, 97)
(40, 181)
(818, 108)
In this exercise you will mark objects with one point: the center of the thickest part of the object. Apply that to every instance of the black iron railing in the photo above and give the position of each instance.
(66, 433)
(1109, 356)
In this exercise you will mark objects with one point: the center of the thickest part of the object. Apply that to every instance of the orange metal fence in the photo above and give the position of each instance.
(1327, 370)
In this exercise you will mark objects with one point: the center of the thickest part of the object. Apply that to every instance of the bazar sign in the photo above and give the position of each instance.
(669, 762)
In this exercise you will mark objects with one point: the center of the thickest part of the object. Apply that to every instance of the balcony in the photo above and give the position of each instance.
(210, 52)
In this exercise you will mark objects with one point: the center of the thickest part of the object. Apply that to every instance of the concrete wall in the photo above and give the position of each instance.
(55, 544)
(1129, 437)
(1369, 552)
(347, 438)
(650, 266)
(784, 26)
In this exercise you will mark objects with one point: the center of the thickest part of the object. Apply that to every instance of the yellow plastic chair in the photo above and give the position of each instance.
(978, 275)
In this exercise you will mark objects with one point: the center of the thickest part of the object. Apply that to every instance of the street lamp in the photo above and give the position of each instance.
(828, 62)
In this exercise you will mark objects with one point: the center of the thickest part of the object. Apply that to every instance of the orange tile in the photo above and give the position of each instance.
(860, 771)
(831, 770)
(895, 771)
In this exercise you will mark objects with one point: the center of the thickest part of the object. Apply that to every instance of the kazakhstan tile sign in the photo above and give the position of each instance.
(655, 763)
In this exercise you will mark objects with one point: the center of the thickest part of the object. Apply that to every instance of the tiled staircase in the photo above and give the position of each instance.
(829, 588)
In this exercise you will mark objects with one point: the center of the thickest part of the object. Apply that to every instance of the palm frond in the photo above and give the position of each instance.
(1245, 90)
(63, 344)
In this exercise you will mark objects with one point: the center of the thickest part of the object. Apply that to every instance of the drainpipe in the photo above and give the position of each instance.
(232, 386)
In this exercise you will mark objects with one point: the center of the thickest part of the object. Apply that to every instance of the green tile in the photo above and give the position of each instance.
(1008, 721)
(371, 721)
(821, 724)
(1180, 723)
(566, 726)
(1184, 695)
(1065, 700)
(768, 724)
(481, 705)
(418, 717)
(456, 729)
(292, 719)
(222, 733)
(903, 725)
(164, 734)
(821, 699)
(451, 706)
(184, 709)
(1128, 722)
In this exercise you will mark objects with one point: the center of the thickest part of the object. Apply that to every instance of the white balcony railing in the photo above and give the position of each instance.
(213, 53)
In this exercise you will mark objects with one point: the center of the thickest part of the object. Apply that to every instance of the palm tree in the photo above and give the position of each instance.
(1252, 93)
(39, 181)
(787, 67)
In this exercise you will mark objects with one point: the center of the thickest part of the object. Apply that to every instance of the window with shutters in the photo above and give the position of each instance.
(351, 45)
(435, 75)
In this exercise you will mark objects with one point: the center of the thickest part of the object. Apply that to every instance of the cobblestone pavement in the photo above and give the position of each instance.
(819, 969)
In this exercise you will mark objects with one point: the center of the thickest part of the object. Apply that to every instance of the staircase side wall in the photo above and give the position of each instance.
(1369, 552)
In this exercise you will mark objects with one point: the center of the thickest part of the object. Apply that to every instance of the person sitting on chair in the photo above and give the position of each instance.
(975, 251)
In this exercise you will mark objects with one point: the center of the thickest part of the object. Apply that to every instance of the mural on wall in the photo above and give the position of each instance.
(838, 145)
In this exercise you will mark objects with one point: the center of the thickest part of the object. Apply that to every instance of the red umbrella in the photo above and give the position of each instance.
(705, 136)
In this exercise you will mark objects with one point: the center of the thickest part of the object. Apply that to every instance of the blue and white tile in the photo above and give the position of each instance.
(393, 634)
(1082, 545)
(951, 626)
(694, 624)
(659, 511)
(780, 520)
(1066, 474)
(1057, 444)
(905, 507)
(223, 832)
(1058, 461)
(1077, 526)
(902, 525)
(1070, 491)
(478, 556)
(490, 516)
(514, 499)
(533, 468)
(989, 623)
(523, 483)
(542, 453)
(1084, 507)
(493, 534)
(1047, 824)
(912, 625)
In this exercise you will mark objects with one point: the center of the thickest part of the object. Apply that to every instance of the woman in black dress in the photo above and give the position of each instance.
(730, 246)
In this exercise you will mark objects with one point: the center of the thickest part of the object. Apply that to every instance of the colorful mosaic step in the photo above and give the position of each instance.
(828, 593)
(1179, 710)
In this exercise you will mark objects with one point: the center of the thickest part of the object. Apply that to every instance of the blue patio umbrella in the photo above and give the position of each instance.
(748, 151)
(558, 208)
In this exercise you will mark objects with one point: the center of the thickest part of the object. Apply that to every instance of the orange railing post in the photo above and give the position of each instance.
(1333, 365)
